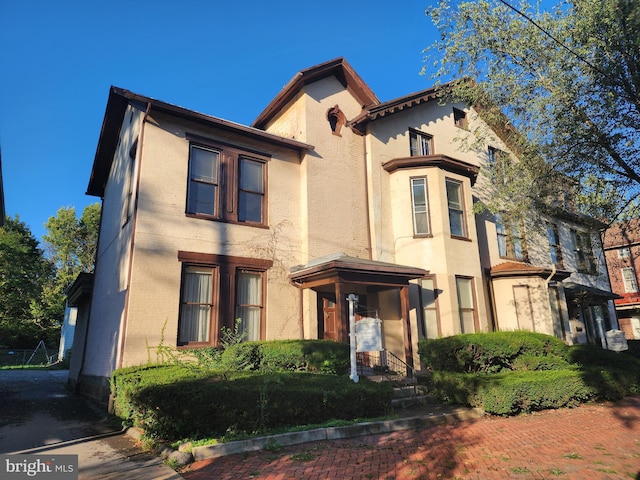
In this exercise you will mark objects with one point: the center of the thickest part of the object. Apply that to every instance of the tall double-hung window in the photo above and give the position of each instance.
(420, 206)
(227, 183)
(630, 280)
(218, 291)
(455, 204)
(511, 242)
(553, 237)
(466, 304)
(583, 250)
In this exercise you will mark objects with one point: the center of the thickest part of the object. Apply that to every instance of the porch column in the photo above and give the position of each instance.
(406, 322)
(342, 316)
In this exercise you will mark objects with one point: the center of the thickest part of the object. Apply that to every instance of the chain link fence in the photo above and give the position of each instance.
(34, 356)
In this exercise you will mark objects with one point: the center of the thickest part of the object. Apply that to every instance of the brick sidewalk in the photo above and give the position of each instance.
(589, 442)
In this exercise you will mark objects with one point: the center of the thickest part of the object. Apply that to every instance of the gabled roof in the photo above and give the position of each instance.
(117, 103)
(338, 68)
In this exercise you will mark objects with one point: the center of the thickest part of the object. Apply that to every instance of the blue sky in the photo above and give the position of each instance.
(219, 57)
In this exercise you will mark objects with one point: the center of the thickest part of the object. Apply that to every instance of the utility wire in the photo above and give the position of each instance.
(561, 44)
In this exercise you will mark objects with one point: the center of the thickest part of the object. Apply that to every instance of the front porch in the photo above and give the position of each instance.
(382, 287)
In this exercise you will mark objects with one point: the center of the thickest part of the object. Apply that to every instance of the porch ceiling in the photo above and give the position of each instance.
(342, 268)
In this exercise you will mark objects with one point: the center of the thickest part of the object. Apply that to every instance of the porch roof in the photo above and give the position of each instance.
(82, 286)
(576, 288)
(343, 268)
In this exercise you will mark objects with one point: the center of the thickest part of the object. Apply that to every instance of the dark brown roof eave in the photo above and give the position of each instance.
(524, 270)
(390, 107)
(444, 162)
(337, 67)
(347, 264)
(116, 107)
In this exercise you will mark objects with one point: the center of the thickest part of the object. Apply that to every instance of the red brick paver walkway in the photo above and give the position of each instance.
(589, 442)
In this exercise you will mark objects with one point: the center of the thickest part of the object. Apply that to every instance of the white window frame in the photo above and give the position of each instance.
(630, 279)
(420, 143)
(456, 208)
(420, 211)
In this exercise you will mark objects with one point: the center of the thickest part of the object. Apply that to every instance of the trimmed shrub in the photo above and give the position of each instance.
(493, 352)
(198, 404)
(510, 393)
(314, 356)
(634, 349)
(592, 355)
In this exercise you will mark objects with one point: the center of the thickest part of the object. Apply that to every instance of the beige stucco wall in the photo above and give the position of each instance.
(163, 229)
(112, 260)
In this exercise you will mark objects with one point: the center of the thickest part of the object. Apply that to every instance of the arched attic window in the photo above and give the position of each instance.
(337, 120)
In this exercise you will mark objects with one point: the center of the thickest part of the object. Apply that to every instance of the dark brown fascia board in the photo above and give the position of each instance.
(396, 105)
(370, 268)
(81, 286)
(117, 103)
(530, 271)
(337, 67)
(443, 162)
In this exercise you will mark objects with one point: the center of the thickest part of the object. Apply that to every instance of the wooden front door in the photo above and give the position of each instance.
(327, 317)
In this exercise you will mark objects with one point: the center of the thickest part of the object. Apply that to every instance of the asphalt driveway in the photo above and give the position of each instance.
(38, 415)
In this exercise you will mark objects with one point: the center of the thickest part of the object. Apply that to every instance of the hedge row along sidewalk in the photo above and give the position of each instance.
(506, 373)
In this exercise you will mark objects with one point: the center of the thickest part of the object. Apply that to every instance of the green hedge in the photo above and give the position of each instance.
(173, 402)
(314, 356)
(493, 352)
(510, 393)
(634, 348)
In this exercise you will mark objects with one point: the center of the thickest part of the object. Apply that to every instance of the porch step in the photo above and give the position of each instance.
(409, 395)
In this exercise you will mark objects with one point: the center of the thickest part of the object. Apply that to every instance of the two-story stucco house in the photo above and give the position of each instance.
(329, 192)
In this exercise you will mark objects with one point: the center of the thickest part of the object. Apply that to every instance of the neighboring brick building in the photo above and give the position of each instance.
(622, 252)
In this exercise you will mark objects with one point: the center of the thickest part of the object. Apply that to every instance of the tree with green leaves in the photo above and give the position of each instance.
(568, 81)
(24, 275)
(70, 243)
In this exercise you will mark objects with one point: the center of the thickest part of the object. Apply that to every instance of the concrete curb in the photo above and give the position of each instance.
(334, 433)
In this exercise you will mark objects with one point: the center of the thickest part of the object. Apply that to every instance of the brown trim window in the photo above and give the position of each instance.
(227, 184)
(420, 206)
(455, 203)
(429, 303)
(583, 249)
(218, 291)
(460, 119)
(555, 249)
(466, 304)
(497, 163)
(420, 143)
(511, 241)
(197, 306)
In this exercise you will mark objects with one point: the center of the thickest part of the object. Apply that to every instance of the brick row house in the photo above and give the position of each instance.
(622, 251)
(329, 192)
